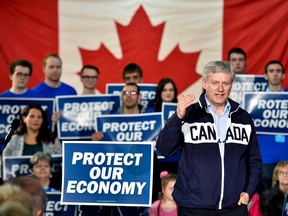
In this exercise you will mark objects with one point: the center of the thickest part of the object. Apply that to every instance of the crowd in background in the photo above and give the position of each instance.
(35, 138)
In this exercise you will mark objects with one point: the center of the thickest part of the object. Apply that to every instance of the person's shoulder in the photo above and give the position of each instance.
(154, 207)
(16, 137)
(156, 203)
(32, 93)
(35, 94)
(68, 88)
(7, 93)
(40, 86)
(56, 141)
(27, 94)
(65, 85)
(15, 141)
(270, 193)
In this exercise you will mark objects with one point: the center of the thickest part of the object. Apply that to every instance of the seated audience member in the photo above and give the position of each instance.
(237, 58)
(20, 72)
(89, 78)
(273, 199)
(132, 73)
(14, 201)
(52, 86)
(33, 134)
(40, 165)
(34, 189)
(14, 209)
(166, 206)
(166, 92)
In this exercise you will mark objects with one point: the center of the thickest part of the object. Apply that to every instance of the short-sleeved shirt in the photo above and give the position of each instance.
(49, 92)
(28, 94)
(157, 210)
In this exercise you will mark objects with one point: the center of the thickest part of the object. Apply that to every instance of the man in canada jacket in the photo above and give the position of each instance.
(220, 163)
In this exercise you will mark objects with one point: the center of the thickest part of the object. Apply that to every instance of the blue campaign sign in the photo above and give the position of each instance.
(168, 109)
(285, 206)
(54, 207)
(107, 173)
(19, 165)
(78, 113)
(247, 83)
(134, 127)
(148, 92)
(11, 108)
(269, 111)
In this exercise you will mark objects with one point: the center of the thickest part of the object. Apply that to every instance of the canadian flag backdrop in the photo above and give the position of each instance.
(166, 38)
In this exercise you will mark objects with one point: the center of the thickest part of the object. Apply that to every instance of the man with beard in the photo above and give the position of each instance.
(52, 86)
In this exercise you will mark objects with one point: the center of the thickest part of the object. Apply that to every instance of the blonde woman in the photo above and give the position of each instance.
(273, 199)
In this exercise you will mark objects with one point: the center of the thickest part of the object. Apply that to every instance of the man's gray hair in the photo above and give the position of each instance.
(218, 67)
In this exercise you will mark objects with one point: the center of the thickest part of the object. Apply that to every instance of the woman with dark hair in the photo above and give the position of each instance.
(166, 92)
(33, 135)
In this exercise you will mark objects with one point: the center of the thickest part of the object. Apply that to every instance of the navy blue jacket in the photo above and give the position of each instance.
(205, 180)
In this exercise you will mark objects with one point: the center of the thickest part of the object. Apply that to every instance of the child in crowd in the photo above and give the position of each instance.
(166, 205)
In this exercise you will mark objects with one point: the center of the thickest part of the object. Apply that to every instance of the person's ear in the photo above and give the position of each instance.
(204, 83)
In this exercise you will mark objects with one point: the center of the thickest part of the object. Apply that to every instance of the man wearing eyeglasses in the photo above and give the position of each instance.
(20, 72)
(89, 79)
(131, 98)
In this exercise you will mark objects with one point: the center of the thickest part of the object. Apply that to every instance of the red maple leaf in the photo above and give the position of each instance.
(140, 43)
